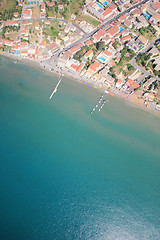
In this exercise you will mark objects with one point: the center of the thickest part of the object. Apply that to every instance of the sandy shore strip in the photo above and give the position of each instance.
(37, 64)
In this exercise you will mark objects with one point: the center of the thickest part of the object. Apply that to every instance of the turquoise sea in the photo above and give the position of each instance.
(65, 174)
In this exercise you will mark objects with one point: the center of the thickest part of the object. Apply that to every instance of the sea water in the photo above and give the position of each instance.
(66, 174)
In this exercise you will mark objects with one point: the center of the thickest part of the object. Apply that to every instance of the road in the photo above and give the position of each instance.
(134, 64)
(87, 35)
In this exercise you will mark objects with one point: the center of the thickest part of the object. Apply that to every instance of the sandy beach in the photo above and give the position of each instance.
(37, 64)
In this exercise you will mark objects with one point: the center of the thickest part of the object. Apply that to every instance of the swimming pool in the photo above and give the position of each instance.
(121, 29)
(147, 15)
(100, 5)
(104, 3)
(102, 59)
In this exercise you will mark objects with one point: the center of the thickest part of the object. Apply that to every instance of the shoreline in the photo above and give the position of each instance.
(36, 64)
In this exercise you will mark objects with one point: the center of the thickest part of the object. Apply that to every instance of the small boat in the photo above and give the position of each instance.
(99, 109)
(91, 112)
(93, 109)
(97, 105)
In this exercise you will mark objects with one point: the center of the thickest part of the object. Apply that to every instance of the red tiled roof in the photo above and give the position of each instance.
(88, 53)
(106, 12)
(89, 42)
(98, 35)
(36, 51)
(50, 4)
(15, 14)
(107, 53)
(156, 6)
(113, 30)
(74, 66)
(42, 6)
(76, 48)
(94, 66)
(43, 43)
(36, 24)
(27, 11)
(126, 38)
(24, 23)
(8, 42)
(80, 67)
(52, 46)
(132, 83)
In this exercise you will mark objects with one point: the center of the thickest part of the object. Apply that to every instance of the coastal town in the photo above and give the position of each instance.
(110, 45)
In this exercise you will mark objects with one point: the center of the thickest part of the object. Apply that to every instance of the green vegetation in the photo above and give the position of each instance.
(116, 44)
(143, 58)
(130, 67)
(100, 46)
(8, 29)
(148, 32)
(7, 8)
(111, 72)
(91, 20)
(151, 65)
(51, 32)
(125, 59)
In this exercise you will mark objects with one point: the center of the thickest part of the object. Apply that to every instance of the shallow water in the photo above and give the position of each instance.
(65, 174)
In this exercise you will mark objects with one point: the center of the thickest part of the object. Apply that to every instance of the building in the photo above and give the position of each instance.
(89, 54)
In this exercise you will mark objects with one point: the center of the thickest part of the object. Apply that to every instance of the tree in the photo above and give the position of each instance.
(100, 46)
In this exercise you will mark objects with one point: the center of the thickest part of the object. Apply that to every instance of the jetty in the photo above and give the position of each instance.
(55, 90)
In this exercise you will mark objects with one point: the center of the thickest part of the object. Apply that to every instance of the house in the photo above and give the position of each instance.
(119, 83)
(125, 39)
(149, 96)
(143, 40)
(132, 84)
(140, 21)
(104, 56)
(43, 44)
(95, 9)
(136, 12)
(36, 25)
(7, 42)
(128, 24)
(156, 6)
(27, 13)
(24, 45)
(93, 68)
(25, 23)
(89, 43)
(98, 35)
(50, 4)
(112, 31)
(80, 67)
(11, 23)
(107, 13)
(107, 53)
(75, 49)
(36, 51)
(24, 53)
(106, 39)
(89, 54)
(52, 47)
(60, 7)
(15, 14)
(73, 67)
(42, 7)
(113, 7)
(24, 32)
